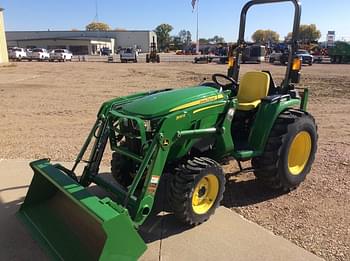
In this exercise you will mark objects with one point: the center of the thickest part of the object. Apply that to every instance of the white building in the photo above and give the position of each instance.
(81, 42)
(330, 38)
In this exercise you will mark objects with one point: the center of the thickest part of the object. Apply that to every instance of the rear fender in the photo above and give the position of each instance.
(265, 119)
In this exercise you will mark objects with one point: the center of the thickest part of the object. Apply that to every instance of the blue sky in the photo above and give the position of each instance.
(216, 17)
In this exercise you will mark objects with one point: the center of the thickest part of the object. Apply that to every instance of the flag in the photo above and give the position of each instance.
(193, 3)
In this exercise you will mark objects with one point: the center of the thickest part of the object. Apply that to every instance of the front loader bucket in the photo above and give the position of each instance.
(73, 224)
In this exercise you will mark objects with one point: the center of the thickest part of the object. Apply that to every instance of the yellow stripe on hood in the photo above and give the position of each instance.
(198, 102)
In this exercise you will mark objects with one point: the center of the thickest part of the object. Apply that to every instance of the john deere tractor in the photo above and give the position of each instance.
(184, 132)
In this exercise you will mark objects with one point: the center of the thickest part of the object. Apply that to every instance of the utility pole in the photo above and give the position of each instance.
(197, 36)
(96, 11)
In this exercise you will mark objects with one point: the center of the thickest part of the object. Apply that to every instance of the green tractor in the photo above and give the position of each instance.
(184, 132)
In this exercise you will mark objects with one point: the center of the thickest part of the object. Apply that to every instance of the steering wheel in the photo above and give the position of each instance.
(232, 85)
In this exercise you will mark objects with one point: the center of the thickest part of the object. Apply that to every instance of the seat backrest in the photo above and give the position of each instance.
(253, 86)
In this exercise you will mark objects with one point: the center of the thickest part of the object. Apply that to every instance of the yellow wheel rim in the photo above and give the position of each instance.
(205, 194)
(299, 153)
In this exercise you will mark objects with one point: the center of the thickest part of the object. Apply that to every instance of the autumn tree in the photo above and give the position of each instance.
(265, 36)
(163, 35)
(307, 33)
(97, 26)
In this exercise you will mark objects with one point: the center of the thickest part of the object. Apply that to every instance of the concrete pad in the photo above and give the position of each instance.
(15, 240)
(226, 236)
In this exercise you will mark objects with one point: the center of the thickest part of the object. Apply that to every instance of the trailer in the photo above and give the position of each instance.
(340, 53)
(254, 53)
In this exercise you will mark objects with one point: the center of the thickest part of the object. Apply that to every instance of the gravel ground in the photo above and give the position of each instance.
(46, 110)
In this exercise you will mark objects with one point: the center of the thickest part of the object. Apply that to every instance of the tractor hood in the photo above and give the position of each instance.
(168, 101)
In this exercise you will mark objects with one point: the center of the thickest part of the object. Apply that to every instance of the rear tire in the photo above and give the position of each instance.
(289, 152)
(196, 190)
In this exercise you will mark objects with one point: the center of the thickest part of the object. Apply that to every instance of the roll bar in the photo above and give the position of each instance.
(295, 34)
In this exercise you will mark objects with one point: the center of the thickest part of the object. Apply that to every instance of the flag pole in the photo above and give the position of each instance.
(197, 44)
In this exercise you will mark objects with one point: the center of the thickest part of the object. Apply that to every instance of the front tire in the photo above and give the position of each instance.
(196, 190)
(289, 152)
(121, 169)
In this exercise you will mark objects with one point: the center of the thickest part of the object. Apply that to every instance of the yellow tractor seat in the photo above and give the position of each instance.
(252, 88)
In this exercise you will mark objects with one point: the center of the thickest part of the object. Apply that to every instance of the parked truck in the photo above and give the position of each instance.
(39, 54)
(128, 54)
(60, 55)
(17, 54)
(340, 53)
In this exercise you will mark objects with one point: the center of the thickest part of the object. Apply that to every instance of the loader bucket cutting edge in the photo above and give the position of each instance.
(73, 224)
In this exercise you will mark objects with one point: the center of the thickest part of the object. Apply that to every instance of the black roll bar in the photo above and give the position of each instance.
(294, 42)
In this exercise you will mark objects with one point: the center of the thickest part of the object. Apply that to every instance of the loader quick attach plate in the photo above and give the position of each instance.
(73, 224)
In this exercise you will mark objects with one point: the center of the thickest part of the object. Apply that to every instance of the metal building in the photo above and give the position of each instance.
(81, 42)
(3, 47)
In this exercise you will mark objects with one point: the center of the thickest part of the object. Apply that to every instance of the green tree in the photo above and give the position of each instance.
(163, 35)
(216, 39)
(265, 36)
(185, 37)
(307, 33)
(176, 43)
(97, 26)
(203, 41)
